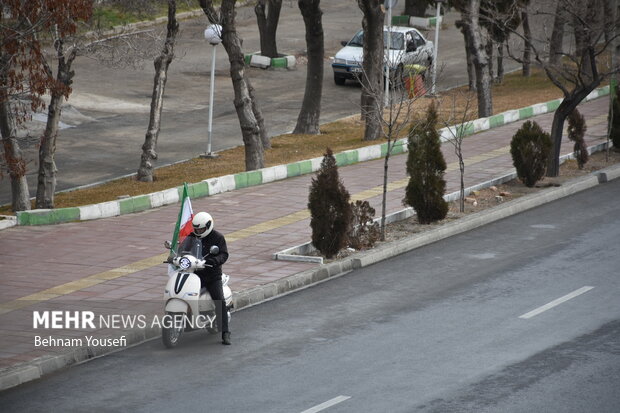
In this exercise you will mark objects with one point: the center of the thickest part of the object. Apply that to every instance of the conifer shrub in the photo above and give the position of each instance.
(615, 120)
(576, 131)
(426, 167)
(329, 207)
(530, 148)
(364, 232)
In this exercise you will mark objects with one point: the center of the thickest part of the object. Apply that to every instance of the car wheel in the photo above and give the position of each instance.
(339, 80)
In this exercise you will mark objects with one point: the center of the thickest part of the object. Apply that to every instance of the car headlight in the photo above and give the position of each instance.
(340, 61)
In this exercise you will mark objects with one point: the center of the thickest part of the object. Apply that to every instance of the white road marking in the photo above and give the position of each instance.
(557, 302)
(327, 404)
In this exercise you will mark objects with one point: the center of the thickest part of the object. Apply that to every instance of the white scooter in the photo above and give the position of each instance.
(188, 306)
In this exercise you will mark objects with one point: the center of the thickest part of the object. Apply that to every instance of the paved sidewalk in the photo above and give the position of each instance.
(113, 265)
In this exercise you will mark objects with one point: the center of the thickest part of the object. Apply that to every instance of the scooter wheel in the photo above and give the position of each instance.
(172, 329)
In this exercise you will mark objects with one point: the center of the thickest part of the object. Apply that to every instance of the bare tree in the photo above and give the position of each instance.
(308, 119)
(25, 76)
(245, 102)
(268, 16)
(396, 117)
(162, 62)
(581, 68)
(457, 124)
(372, 80)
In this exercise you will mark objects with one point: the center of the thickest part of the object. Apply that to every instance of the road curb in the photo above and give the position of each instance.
(263, 62)
(39, 367)
(213, 186)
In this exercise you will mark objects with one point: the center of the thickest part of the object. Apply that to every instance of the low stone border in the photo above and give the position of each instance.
(257, 60)
(241, 180)
(28, 371)
(422, 22)
(8, 221)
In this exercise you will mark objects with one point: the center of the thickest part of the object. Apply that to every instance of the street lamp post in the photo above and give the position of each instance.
(436, 48)
(389, 5)
(213, 36)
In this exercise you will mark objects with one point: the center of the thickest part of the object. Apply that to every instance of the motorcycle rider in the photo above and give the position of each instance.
(211, 275)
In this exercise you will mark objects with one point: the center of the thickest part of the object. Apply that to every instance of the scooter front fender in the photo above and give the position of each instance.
(174, 305)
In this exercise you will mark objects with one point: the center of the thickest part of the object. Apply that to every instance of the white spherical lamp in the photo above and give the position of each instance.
(213, 34)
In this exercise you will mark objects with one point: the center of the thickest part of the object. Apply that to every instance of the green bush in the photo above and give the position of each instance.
(615, 120)
(576, 131)
(329, 207)
(426, 167)
(363, 232)
(530, 149)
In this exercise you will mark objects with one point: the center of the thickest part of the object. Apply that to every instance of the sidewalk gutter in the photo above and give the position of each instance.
(226, 183)
(39, 367)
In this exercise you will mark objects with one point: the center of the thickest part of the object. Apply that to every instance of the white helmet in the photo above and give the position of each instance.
(203, 224)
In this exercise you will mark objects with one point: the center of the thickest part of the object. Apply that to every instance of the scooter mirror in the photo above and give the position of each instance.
(167, 244)
(214, 250)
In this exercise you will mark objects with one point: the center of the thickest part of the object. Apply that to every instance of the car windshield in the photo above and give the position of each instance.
(397, 40)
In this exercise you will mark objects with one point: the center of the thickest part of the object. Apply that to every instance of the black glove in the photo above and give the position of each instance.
(210, 262)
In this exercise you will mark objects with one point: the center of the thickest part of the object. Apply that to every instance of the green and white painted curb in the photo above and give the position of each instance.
(242, 180)
(422, 22)
(257, 60)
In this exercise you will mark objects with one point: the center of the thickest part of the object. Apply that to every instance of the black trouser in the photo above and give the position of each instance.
(216, 290)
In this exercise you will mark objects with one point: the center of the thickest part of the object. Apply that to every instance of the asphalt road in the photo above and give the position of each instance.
(517, 316)
(107, 114)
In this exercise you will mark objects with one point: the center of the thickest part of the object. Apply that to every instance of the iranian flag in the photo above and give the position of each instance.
(184, 221)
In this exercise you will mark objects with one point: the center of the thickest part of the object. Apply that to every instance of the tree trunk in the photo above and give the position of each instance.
(258, 114)
(567, 106)
(245, 102)
(46, 184)
(416, 8)
(267, 16)
(20, 196)
(488, 48)
(463, 25)
(372, 77)
(162, 63)
(308, 119)
(500, 62)
(250, 130)
(481, 62)
(557, 35)
(527, 48)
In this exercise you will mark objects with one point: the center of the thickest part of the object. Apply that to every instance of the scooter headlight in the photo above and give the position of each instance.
(185, 263)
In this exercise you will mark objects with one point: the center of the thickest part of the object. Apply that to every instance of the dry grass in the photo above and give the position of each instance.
(515, 92)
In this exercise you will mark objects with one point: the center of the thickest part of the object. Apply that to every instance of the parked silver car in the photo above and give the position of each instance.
(408, 47)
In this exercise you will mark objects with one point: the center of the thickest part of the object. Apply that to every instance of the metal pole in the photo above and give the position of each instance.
(210, 128)
(387, 56)
(435, 49)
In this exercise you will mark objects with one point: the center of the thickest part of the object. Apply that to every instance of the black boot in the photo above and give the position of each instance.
(226, 338)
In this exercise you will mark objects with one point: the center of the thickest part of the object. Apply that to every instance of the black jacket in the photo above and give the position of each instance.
(214, 238)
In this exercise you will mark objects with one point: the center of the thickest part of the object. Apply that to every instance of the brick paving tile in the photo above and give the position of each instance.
(65, 253)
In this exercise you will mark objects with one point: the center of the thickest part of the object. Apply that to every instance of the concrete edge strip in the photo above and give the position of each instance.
(16, 375)
(241, 180)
